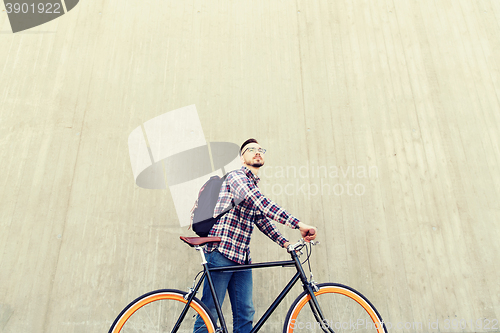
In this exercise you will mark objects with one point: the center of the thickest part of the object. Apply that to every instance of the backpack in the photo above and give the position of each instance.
(203, 210)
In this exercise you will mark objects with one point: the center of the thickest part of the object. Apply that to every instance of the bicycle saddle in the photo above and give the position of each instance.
(198, 241)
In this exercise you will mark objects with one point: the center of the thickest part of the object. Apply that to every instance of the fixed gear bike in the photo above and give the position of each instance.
(325, 307)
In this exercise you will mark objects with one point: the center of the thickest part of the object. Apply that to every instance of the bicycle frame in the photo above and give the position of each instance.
(300, 274)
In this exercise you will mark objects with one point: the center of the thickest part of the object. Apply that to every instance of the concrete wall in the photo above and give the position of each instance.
(409, 89)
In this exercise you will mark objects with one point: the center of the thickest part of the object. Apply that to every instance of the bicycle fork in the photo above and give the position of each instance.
(311, 288)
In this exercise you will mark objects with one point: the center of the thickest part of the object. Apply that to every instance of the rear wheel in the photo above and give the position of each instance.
(345, 310)
(158, 311)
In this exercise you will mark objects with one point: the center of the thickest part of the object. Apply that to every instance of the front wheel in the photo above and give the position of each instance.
(158, 311)
(344, 309)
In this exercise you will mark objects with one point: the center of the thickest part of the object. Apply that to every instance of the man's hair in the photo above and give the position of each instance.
(247, 142)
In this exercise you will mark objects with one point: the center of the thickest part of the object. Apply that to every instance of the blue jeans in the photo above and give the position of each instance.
(239, 287)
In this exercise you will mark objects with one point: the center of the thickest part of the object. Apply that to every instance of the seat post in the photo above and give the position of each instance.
(200, 249)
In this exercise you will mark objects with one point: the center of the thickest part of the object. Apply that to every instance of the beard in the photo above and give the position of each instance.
(257, 164)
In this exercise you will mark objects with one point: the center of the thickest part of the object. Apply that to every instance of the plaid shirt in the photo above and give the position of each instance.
(236, 226)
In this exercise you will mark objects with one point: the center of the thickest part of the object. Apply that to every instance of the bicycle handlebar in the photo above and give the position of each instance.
(299, 245)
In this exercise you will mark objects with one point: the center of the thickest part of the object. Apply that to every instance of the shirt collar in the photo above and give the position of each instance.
(250, 174)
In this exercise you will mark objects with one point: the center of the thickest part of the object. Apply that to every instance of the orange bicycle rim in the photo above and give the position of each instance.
(173, 296)
(337, 290)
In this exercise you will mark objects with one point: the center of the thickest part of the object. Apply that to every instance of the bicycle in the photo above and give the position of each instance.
(325, 307)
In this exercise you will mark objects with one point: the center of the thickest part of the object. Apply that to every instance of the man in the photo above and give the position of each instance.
(235, 229)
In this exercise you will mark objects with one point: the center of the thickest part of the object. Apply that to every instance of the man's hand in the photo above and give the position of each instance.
(307, 232)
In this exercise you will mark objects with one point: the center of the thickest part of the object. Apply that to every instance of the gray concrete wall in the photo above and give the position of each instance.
(408, 88)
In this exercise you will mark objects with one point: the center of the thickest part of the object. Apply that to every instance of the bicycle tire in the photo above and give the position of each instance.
(158, 311)
(345, 310)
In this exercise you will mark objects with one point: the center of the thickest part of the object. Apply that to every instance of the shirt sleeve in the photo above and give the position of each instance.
(243, 189)
(269, 229)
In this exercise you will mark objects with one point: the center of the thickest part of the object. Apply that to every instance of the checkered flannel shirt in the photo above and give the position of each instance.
(236, 226)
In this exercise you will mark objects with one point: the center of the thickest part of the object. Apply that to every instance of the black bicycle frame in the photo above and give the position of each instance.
(308, 286)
